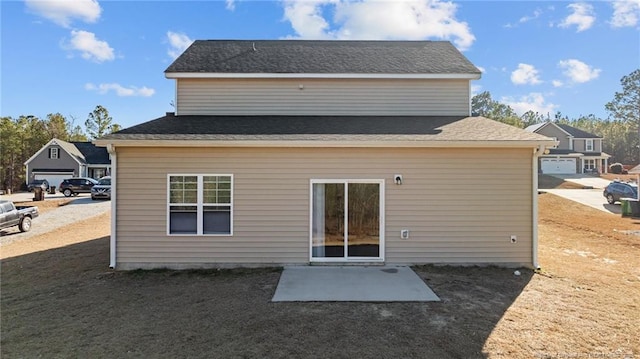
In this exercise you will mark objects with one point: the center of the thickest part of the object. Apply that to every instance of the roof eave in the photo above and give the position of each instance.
(325, 143)
(220, 75)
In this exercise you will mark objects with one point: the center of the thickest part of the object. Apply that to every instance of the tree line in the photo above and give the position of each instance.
(620, 131)
(22, 137)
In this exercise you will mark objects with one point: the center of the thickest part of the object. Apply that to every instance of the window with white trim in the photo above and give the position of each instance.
(588, 145)
(54, 153)
(590, 164)
(200, 204)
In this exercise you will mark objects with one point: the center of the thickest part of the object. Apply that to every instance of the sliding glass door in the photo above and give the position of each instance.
(346, 220)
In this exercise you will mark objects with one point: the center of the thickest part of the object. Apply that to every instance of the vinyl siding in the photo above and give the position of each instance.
(64, 161)
(553, 131)
(580, 145)
(461, 205)
(322, 97)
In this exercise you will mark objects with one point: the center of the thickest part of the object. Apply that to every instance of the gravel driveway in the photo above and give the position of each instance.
(79, 209)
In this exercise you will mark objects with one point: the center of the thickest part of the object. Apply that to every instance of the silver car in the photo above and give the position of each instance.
(102, 190)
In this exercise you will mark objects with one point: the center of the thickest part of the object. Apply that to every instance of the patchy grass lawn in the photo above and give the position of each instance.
(62, 301)
(551, 182)
(624, 178)
(45, 206)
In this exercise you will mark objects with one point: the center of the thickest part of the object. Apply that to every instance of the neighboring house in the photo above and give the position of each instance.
(577, 151)
(299, 152)
(59, 159)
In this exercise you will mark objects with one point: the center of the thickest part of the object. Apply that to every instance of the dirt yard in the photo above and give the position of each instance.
(59, 299)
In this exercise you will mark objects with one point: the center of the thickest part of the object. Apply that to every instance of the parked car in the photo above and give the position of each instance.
(75, 185)
(10, 216)
(102, 190)
(43, 183)
(617, 190)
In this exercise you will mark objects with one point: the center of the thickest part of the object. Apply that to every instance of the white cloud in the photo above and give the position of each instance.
(475, 89)
(378, 20)
(91, 47)
(525, 74)
(532, 102)
(62, 12)
(306, 18)
(536, 14)
(582, 16)
(557, 83)
(626, 13)
(482, 69)
(121, 90)
(231, 5)
(177, 43)
(577, 71)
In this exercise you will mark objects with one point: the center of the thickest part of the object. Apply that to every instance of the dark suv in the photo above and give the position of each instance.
(75, 185)
(616, 190)
(43, 183)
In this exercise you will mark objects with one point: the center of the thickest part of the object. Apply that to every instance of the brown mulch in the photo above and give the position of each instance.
(59, 299)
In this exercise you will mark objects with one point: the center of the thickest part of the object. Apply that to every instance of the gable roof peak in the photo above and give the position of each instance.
(328, 57)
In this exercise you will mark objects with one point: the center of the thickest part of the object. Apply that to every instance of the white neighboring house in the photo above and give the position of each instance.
(578, 151)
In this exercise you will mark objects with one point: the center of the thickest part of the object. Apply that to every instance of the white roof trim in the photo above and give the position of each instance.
(218, 75)
(54, 141)
(323, 144)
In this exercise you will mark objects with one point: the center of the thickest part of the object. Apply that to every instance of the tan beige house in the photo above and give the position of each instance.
(577, 151)
(323, 152)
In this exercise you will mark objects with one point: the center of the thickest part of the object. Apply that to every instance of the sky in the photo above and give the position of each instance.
(70, 56)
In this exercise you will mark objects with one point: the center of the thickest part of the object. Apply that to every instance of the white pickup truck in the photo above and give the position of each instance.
(11, 216)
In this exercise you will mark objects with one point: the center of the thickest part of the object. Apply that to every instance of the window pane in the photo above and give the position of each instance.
(224, 197)
(216, 220)
(210, 196)
(183, 220)
(183, 189)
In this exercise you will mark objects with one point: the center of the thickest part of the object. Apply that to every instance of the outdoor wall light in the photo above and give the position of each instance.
(397, 179)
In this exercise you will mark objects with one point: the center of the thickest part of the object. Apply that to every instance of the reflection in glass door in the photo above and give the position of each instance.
(346, 220)
(363, 239)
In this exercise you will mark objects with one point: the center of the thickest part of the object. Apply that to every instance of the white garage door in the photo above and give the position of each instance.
(53, 179)
(558, 165)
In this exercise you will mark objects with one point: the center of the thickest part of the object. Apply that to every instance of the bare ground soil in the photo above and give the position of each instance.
(59, 299)
(550, 182)
(45, 206)
(625, 178)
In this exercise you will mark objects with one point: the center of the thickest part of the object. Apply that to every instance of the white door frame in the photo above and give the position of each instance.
(346, 258)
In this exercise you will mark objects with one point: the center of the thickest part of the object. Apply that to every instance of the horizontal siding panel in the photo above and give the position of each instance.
(461, 206)
(322, 97)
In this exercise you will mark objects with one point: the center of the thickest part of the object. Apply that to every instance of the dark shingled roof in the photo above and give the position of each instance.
(576, 132)
(93, 154)
(324, 128)
(322, 57)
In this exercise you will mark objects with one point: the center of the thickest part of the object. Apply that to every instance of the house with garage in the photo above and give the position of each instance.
(323, 152)
(577, 151)
(60, 159)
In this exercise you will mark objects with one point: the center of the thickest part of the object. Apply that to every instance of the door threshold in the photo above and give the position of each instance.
(344, 264)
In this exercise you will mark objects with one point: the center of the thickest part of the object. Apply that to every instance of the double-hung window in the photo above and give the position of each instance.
(588, 145)
(53, 153)
(200, 204)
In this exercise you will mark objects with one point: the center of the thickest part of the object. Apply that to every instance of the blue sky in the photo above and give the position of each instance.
(69, 56)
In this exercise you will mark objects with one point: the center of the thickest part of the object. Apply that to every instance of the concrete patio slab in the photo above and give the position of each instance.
(352, 284)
